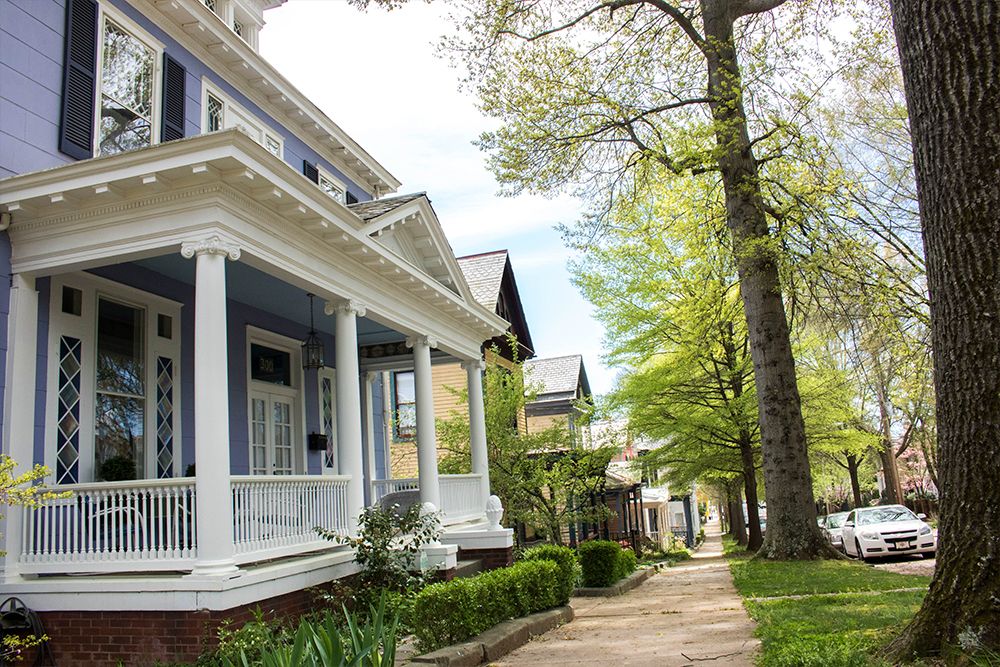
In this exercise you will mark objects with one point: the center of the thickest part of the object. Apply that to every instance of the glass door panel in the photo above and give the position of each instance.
(281, 411)
(258, 436)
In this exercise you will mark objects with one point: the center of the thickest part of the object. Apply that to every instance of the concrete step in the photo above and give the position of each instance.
(468, 568)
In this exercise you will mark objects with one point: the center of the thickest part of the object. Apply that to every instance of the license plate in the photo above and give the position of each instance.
(903, 545)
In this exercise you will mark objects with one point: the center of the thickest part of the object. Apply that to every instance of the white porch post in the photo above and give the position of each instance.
(349, 440)
(214, 503)
(19, 404)
(430, 490)
(477, 424)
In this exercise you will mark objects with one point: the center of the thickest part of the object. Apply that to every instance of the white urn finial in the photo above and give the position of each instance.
(494, 512)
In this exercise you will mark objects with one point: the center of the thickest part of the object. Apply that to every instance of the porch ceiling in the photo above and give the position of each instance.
(143, 204)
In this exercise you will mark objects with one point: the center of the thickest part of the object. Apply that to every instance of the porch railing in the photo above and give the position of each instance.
(275, 516)
(461, 497)
(109, 526)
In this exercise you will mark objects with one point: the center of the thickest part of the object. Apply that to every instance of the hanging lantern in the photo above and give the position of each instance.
(312, 346)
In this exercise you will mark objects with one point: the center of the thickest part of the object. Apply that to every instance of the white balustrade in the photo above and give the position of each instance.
(461, 497)
(278, 515)
(383, 487)
(113, 526)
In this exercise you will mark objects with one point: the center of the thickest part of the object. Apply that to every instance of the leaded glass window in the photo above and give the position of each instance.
(68, 413)
(127, 77)
(404, 405)
(272, 144)
(329, 429)
(164, 417)
(215, 111)
(331, 188)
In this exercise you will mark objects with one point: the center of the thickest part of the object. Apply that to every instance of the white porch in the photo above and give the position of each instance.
(210, 201)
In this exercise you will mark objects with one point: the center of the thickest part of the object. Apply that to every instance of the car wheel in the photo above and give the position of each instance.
(861, 554)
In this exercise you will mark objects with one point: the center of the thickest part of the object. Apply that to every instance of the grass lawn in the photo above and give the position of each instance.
(820, 629)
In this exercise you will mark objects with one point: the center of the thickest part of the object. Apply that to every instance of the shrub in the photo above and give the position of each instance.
(598, 560)
(453, 611)
(626, 564)
(565, 560)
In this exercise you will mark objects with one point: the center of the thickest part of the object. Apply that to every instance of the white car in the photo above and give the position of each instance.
(887, 530)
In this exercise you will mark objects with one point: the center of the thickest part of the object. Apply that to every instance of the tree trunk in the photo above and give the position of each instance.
(887, 455)
(950, 53)
(792, 532)
(852, 470)
(737, 521)
(754, 538)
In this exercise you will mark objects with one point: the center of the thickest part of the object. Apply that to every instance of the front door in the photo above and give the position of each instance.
(272, 432)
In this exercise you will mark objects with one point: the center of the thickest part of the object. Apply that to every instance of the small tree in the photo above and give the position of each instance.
(543, 479)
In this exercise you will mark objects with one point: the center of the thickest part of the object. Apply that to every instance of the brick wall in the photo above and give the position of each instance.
(92, 638)
(491, 558)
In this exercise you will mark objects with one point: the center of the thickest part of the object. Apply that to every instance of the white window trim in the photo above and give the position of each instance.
(336, 182)
(84, 327)
(300, 458)
(230, 106)
(106, 12)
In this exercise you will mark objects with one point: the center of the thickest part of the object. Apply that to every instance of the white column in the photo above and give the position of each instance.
(430, 490)
(214, 504)
(19, 405)
(477, 424)
(349, 441)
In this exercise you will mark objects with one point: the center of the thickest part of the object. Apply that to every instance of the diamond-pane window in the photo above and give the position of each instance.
(330, 455)
(68, 413)
(164, 417)
(214, 113)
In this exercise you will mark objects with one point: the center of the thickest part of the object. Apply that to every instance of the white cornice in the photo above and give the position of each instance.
(201, 32)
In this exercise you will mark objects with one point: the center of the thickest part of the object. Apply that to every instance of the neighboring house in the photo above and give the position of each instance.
(562, 387)
(491, 281)
(170, 203)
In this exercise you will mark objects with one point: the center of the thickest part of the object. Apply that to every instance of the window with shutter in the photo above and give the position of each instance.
(128, 73)
(350, 199)
(76, 130)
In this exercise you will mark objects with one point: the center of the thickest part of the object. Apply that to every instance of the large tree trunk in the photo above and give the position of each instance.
(852, 470)
(792, 532)
(950, 53)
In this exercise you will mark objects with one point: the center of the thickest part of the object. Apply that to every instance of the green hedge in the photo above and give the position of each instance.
(453, 611)
(604, 562)
(565, 560)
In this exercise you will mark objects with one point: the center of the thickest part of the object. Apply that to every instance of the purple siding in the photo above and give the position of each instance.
(4, 317)
(31, 56)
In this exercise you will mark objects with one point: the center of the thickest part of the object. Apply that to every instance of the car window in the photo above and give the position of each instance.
(885, 515)
(835, 520)
(850, 518)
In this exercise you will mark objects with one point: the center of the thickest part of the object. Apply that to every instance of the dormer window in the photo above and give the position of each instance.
(221, 113)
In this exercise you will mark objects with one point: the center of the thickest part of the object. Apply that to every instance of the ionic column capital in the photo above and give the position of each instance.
(477, 364)
(345, 306)
(427, 341)
(213, 245)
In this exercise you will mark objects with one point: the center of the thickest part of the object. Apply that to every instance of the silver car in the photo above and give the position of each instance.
(833, 526)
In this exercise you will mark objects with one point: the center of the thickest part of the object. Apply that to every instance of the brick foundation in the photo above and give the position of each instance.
(85, 638)
(491, 558)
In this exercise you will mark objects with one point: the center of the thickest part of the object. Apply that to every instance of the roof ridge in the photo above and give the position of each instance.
(484, 254)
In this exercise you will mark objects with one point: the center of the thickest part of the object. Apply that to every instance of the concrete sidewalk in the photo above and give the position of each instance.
(685, 615)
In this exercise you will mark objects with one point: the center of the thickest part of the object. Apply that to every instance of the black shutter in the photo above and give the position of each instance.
(310, 170)
(350, 199)
(174, 75)
(76, 127)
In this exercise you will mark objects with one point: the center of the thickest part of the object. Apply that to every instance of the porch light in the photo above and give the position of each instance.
(312, 346)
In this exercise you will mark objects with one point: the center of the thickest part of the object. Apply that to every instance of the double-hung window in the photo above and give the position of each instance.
(222, 113)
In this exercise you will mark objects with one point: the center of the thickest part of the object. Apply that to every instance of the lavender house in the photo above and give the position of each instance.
(169, 203)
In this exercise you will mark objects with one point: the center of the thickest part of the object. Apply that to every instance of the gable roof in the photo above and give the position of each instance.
(484, 273)
(490, 277)
(557, 377)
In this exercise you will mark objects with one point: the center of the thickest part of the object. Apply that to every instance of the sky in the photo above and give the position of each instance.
(376, 74)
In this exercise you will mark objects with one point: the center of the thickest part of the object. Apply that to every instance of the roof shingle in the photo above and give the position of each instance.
(555, 375)
(484, 273)
(369, 210)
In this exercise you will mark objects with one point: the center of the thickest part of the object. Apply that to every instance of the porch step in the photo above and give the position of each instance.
(468, 568)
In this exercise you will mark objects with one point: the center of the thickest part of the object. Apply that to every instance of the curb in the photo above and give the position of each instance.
(498, 641)
(619, 588)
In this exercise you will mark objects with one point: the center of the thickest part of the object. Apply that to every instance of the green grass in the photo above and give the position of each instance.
(770, 579)
(838, 623)
(830, 631)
